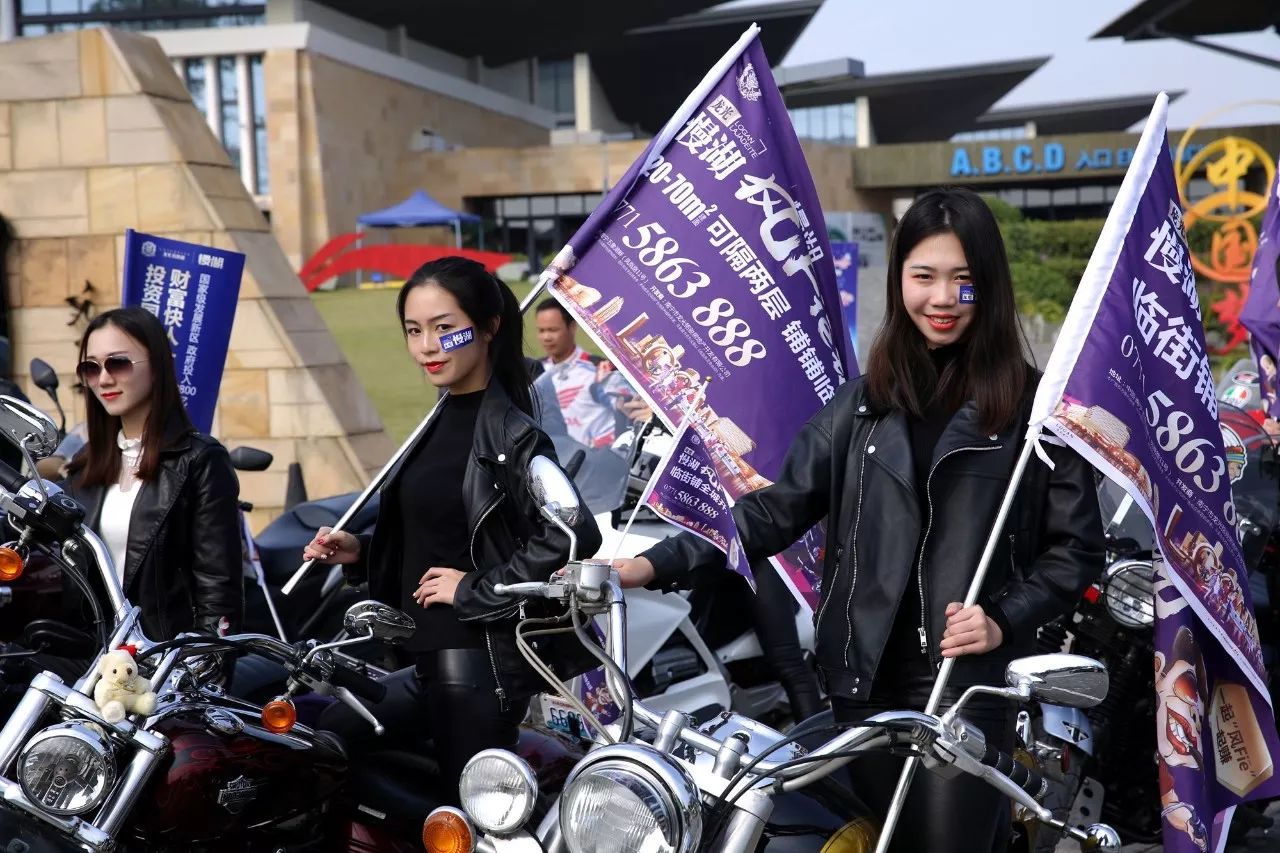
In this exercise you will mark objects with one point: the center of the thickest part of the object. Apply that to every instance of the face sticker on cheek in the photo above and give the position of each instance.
(968, 295)
(460, 338)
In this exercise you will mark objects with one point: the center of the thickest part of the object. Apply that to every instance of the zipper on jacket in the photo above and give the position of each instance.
(853, 545)
(923, 630)
(471, 548)
(493, 665)
(817, 619)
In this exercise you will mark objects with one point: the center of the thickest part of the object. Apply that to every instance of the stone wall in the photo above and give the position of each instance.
(97, 135)
(343, 141)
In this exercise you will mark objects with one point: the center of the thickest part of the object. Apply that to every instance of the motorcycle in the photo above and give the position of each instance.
(656, 782)
(1101, 761)
(203, 770)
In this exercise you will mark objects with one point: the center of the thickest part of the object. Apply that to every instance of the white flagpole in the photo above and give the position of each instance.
(1062, 360)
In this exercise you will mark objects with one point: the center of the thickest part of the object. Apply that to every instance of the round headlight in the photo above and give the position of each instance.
(67, 769)
(498, 791)
(1128, 593)
(628, 797)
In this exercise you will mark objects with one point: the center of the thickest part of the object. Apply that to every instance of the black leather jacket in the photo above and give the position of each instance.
(853, 466)
(510, 543)
(184, 561)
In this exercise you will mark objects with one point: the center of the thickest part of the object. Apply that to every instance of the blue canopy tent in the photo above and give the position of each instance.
(416, 211)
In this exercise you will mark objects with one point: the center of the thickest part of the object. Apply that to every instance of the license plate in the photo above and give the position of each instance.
(562, 717)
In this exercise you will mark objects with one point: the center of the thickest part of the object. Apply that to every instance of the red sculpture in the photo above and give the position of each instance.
(396, 260)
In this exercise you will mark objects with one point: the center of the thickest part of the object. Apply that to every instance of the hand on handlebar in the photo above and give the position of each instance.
(331, 546)
(634, 571)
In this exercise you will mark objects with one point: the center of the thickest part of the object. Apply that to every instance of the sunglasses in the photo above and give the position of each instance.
(119, 366)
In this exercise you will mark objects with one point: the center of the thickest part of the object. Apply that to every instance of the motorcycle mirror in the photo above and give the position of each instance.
(553, 492)
(22, 423)
(43, 375)
(250, 459)
(385, 623)
(1060, 679)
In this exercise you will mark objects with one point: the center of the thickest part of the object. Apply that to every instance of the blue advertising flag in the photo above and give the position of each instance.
(1128, 386)
(710, 259)
(1261, 314)
(193, 289)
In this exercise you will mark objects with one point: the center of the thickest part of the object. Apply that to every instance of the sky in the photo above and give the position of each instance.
(913, 35)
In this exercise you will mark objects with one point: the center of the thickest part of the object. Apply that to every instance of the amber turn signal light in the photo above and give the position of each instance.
(11, 564)
(447, 830)
(279, 715)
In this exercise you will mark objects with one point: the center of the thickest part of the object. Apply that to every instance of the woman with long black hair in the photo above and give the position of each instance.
(909, 464)
(162, 496)
(456, 518)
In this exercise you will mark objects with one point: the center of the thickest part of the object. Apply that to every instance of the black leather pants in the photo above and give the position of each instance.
(775, 620)
(958, 815)
(449, 696)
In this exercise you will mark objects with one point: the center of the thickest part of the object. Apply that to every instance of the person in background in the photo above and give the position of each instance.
(595, 399)
(162, 496)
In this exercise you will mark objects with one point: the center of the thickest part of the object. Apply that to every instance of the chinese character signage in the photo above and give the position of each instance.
(710, 261)
(193, 290)
(1129, 388)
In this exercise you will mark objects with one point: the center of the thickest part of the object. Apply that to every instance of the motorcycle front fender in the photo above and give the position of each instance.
(1069, 725)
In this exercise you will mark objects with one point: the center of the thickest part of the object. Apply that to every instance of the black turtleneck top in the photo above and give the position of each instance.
(924, 431)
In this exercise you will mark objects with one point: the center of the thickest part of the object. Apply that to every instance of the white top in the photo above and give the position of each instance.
(117, 505)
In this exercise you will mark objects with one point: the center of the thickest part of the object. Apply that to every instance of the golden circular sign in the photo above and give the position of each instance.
(1225, 162)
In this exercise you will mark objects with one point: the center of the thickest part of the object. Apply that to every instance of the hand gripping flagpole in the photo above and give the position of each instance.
(374, 485)
(971, 597)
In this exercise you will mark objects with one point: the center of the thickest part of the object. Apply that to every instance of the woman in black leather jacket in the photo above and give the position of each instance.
(909, 464)
(162, 496)
(455, 519)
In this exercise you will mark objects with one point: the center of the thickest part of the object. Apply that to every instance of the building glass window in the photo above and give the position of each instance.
(230, 118)
(835, 123)
(259, 107)
(37, 17)
(193, 76)
(995, 133)
(555, 89)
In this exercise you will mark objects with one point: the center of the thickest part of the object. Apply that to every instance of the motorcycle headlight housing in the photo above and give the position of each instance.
(67, 769)
(498, 791)
(1128, 592)
(630, 797)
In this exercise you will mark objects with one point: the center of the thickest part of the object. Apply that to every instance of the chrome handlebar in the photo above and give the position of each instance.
(593, 587)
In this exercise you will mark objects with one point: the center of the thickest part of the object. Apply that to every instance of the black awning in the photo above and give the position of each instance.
(1189, 18)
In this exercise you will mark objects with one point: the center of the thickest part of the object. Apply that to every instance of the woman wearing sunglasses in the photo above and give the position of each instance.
(162, 496)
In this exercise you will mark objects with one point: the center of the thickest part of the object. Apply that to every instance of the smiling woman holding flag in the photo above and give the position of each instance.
(909, 464)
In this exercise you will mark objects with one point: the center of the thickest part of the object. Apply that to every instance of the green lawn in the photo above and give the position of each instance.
(365, 326)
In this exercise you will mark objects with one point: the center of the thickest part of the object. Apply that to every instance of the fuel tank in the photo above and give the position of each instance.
(227, 775)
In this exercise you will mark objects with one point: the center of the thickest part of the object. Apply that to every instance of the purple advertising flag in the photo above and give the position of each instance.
(686, 491)
(1261, 314)
(710, 259)
(1128, 386)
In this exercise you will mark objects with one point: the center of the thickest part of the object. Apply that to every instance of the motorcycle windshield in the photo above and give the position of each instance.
(600, 475)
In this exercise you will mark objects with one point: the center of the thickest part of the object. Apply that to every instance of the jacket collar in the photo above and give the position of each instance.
(490, 441)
